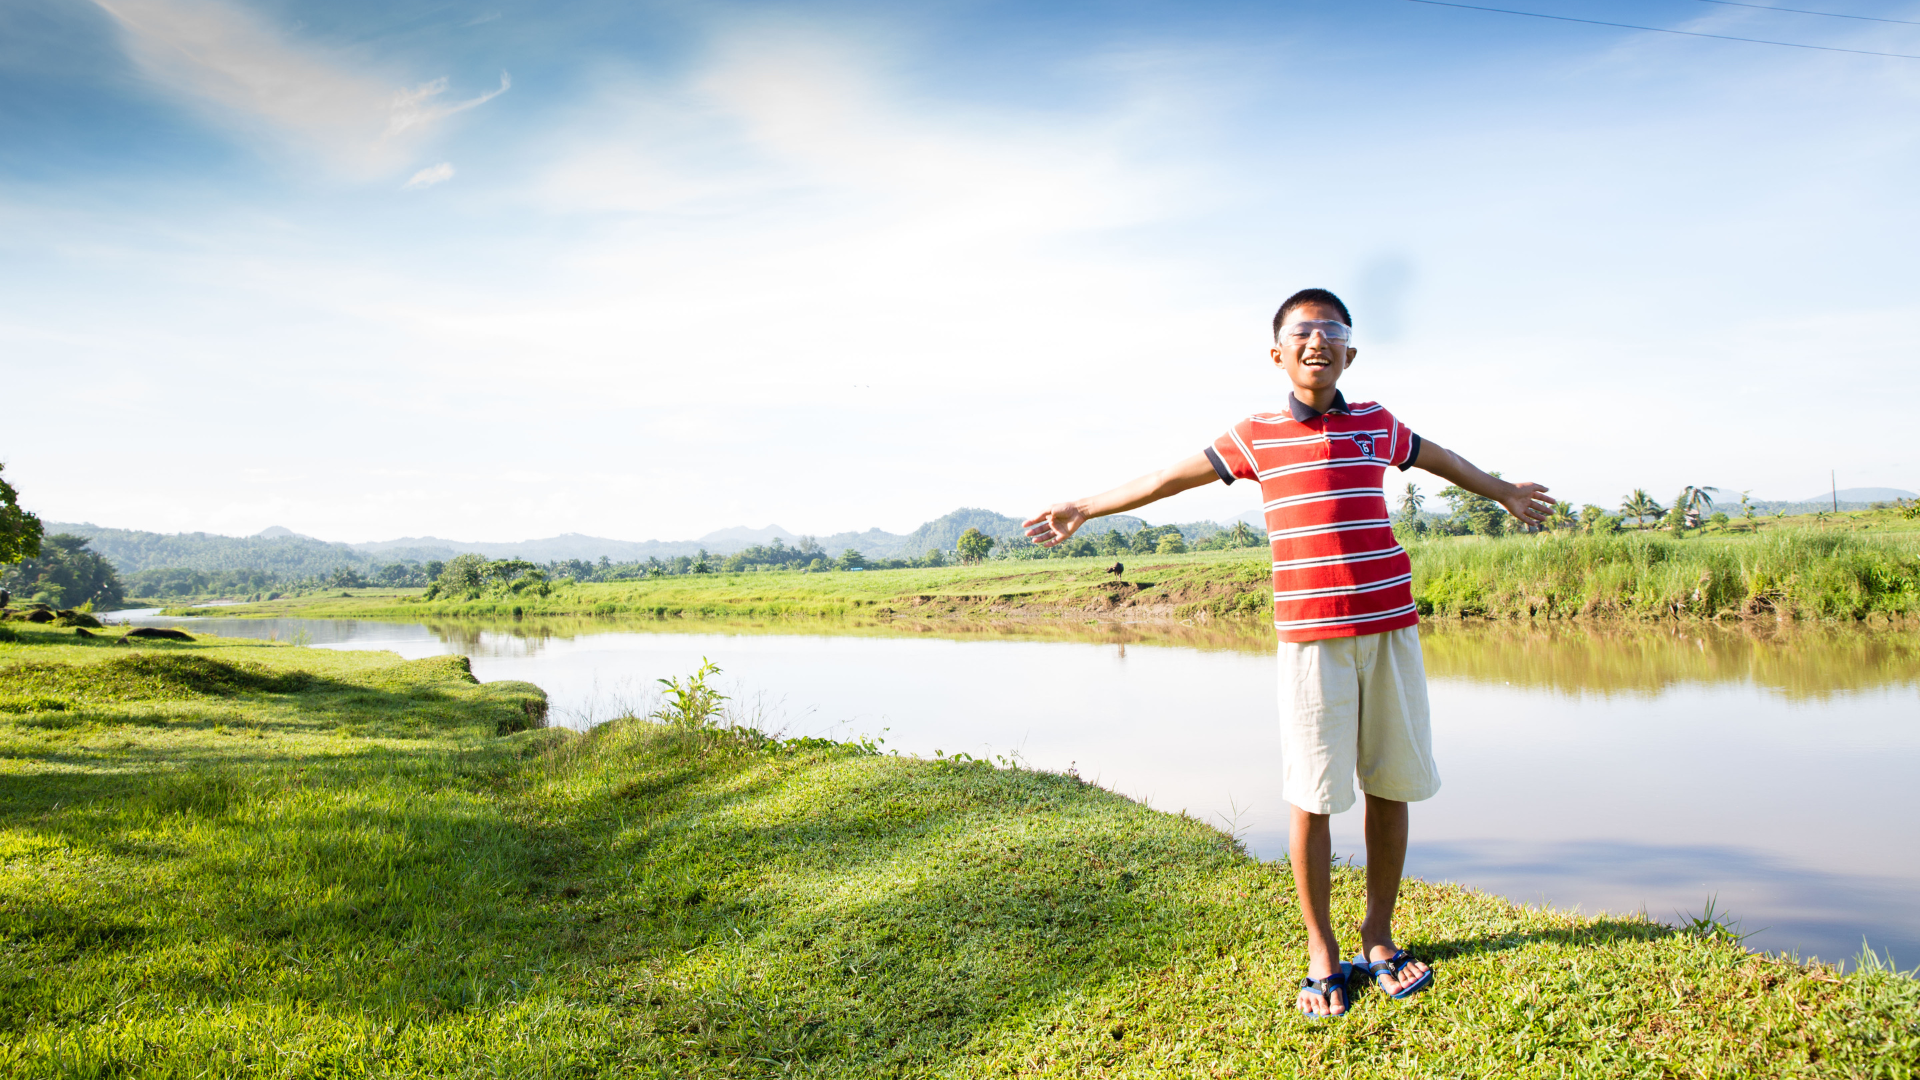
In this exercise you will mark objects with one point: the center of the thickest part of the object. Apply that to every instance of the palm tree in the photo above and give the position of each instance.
(1562, 516)
(1411, 502)
(1640, 506)
(1696, 501)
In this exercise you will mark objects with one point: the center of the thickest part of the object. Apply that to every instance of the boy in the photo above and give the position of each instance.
(1353, 690)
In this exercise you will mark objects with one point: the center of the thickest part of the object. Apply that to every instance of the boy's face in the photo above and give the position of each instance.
(1316, 363)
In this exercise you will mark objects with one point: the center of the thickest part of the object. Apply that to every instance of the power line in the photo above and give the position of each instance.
(1804, 11)
(1664, 30)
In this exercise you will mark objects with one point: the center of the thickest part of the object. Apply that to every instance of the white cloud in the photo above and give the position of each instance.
(797, 260)
(791, 181)
(415, 107)
(232, 61)
(433, 174)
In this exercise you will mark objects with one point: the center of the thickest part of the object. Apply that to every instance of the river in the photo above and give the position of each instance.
(1633, 769)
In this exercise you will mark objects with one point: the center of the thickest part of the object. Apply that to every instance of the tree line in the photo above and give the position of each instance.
(56, 570)
(1146, 540)
(1470, 514)
(62, 573)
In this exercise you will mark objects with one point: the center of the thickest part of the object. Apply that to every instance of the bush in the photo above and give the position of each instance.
(694, 705)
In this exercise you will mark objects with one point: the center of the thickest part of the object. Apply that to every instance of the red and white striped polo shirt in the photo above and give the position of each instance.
(1337, 570)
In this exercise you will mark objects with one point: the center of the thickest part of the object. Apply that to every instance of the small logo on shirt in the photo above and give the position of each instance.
(1365, 443)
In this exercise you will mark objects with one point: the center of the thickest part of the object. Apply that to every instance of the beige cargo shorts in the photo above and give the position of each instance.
(1355, 705)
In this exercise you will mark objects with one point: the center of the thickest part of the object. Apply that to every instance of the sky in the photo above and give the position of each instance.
(495, 271)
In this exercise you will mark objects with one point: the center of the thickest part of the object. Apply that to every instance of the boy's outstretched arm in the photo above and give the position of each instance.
(1061, 520)
(1526, 501)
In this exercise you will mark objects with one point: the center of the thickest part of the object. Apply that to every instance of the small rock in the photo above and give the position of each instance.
(159, 632)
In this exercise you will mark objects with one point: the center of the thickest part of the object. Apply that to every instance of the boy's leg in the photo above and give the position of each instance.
(1310, 850)
(1396, 767)
(1386, 856)
(1319, 729)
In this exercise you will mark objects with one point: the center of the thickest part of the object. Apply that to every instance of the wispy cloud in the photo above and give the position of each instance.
(247, 72)
(412, 108)
(430, 176)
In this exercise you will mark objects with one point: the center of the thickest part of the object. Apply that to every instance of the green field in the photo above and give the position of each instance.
(1852, 567)
(227, 859)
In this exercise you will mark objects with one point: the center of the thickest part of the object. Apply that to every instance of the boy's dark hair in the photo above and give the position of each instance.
(1309, 296)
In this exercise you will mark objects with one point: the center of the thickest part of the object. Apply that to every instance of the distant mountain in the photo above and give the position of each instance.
(563, 547)
(742, 537)
(283, 552)
(1849, 498)
(944, 533)
(1862, 495)
(291, 555)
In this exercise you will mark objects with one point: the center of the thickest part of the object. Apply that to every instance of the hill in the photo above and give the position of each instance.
(285, 554)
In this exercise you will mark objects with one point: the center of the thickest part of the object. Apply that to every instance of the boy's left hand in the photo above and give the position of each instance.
(1529, 503)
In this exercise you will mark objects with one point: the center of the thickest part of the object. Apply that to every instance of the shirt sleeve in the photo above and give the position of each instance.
(1232, 453)
(1402, 444)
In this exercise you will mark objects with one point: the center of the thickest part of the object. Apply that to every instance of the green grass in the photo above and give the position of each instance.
(1793, 574)
(1841, 571)
(222, 859)
(1155, 586)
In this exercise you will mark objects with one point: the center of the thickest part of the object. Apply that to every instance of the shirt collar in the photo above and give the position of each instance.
(1304, 412)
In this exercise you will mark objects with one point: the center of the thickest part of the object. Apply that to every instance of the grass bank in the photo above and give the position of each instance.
(222, 859)
(1826, 573)
(1780, 574)
(1157, 586)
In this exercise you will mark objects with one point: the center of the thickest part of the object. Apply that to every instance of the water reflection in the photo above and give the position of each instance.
(1609, 768)
(1808, 662)
(1796, 661)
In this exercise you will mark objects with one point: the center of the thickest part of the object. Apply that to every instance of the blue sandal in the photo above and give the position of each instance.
(1323, 987)
(1392, 966)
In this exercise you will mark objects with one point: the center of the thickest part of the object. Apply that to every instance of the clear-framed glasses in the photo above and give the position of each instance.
(1299, 333)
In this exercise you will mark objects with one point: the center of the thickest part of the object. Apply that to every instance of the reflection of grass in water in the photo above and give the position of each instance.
(354, 875)
(1802, 662)
(1219, 635)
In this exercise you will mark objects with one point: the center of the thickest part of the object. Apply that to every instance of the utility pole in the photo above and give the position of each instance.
(1834, 486)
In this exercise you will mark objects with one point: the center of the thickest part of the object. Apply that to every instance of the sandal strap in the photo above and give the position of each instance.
(1322, 986)
(1392, 965)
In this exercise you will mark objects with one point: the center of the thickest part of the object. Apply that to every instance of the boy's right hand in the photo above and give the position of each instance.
(1055, 523)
